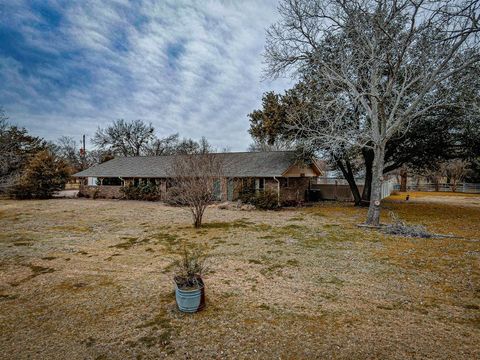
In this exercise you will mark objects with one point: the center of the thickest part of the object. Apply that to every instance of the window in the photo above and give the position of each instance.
(112, 181)
(260, 184)
(92, 181)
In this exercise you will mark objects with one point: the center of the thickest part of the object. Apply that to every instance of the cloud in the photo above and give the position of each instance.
(192, 67)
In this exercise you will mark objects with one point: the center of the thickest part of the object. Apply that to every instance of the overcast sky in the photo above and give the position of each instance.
(192, 67)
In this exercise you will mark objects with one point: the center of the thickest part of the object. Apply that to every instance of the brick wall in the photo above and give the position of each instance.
(101, 191)
(296, 189)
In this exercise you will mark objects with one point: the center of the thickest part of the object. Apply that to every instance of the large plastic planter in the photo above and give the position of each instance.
(191, 300)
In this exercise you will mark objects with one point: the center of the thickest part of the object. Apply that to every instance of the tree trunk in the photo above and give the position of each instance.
(454, 185)
(373, 216)
(197, 214)
(368, 157)
(348, 175)
(198, 221)
(403, 180)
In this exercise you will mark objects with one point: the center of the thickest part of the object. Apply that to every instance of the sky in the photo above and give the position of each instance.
(192, 67)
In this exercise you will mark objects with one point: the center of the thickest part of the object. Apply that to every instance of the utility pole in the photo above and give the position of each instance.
(83, 152)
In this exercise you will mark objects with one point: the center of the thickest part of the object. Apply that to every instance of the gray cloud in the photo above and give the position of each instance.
(188, 67)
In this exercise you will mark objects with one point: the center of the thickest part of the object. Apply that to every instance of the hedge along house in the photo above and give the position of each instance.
(277, 171)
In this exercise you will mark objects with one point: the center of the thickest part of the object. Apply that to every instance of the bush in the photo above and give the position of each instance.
(247, 196)
(42, 176)
(95, 194)
(265, 200)
(290, 203)
(144, 191)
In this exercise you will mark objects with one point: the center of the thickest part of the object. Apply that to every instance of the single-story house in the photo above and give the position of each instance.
(278, 171)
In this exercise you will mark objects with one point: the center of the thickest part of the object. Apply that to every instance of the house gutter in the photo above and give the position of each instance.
(278, 190)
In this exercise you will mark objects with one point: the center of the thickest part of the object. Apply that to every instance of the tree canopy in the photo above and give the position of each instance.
(135, 138)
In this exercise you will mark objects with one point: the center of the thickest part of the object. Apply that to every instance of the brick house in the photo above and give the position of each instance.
(277, 171)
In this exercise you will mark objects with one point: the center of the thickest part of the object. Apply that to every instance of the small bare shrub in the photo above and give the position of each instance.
(196, 183)
(400, 227)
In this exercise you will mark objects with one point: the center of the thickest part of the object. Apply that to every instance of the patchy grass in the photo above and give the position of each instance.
(36, 270)
(241, 223)
(294, 283)
(130, 242)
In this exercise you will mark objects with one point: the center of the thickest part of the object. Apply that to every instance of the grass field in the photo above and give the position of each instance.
(85, 279)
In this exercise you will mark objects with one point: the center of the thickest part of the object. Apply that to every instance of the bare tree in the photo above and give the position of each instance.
(195, 182)
(278, 145)
(456, 170)
(374, 67)
(67, 149)
(124, 138)
(162, 146)
(204, 147)
(435, 174)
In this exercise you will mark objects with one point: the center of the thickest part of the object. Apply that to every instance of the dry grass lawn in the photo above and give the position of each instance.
(91, 279)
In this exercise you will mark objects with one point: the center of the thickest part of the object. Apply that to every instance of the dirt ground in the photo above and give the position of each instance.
(92, 279)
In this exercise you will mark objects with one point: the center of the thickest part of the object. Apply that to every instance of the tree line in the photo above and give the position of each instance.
(32, 167)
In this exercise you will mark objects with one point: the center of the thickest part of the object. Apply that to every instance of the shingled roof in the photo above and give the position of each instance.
(236, 164)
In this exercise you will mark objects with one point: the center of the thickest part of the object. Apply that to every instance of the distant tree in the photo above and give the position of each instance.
(187, 146)
(96, 156)
(125, 138)
(278, 145)
(66, 148)
(16, 149)
(190, 146)
(3, 120)
(162, 146)
(136, 138)
(195, 183)
(43, 175)
(456, 170)
(434, 174)
(204, 147)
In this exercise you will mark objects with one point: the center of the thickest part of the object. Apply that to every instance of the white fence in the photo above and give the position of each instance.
(387, 188)
(335, 181)
(462, 187)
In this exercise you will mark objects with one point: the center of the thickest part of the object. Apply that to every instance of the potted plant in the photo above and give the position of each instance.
(189, 285)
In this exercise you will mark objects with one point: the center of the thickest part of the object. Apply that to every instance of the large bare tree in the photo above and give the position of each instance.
(195, 182)
(126, 138)
(374, 67)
